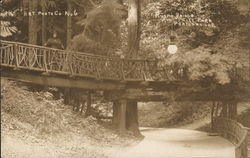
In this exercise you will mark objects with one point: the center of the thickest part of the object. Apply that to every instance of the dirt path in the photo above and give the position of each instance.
(177, 143)
(181, 142)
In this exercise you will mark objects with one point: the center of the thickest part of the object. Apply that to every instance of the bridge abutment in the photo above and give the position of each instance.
(119, 114)
(132, 123)
(125, 116)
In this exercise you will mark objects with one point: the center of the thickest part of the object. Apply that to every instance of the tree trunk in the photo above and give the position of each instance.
(213, 115)
(233, 110)
(89, 102)
(33, 4)
(69, 24)
(115, 113)
(132, 123)
(66, 95)
(119, 114)
(134, 30)
(44, 32)
(224, 111)
(229, 109)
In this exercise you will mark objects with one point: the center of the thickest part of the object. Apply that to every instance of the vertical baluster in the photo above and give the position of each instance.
(45, 60)
(49, 59)
(4, 55)
(70, 62)
(122, 69)
(145, 70)
(7, 56)
(12, 61)
(29, 56)
(1, 55)
(95, 63)
(15, 52)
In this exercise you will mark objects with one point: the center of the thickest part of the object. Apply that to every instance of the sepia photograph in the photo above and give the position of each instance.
(125, 78)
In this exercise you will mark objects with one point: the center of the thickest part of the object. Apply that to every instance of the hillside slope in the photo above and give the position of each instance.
(34, 124)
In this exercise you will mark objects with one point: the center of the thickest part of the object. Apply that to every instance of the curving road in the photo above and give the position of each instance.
(166, 143)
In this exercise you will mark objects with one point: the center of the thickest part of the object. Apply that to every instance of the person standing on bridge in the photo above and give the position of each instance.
(54, 42)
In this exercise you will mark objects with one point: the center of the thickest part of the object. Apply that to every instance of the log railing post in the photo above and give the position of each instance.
(70, 62)
(95, 68)
(120, 114)
(45, 60)
(132, 123)
(15, 52)
(122, 69)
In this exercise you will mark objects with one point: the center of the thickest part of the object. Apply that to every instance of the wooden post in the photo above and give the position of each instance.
(45, 60)
(89, 102)
(15, 52)
(115, 113)
(132, 123)
(224, 111)
(121, 115)
(232, 110)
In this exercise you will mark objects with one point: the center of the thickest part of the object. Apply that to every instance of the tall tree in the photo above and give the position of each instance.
(44, 32)
(133, 48)
(134, 11)
(33, 5)
(69, 24)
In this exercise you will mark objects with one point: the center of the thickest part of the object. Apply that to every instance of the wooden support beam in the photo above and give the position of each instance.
(59, 80)
(232, 110)
(115, 113)
(121, 115)
(132, 123)
(89, 102)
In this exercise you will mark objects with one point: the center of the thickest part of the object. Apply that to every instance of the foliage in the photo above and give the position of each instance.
(167, 114)
(202, 63)
(199, 27)
(7, 28)
(101, 29)
(8, 19)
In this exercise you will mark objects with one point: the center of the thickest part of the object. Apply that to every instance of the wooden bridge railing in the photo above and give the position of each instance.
(38, 58)
(235, 133)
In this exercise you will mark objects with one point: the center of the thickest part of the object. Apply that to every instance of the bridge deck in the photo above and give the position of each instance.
(60, 68)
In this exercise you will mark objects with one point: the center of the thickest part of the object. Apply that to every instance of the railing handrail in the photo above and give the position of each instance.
(78, 64)
(243, 137)
(75, 52)
(84, 64)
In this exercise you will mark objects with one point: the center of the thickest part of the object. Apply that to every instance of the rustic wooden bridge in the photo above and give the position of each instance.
(143, 80)
(79, 64)
(109, 70)
(124, 81)
(121, 79)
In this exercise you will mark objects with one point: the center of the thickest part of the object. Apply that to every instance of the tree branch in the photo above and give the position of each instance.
(77, 3)
(92, 3)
